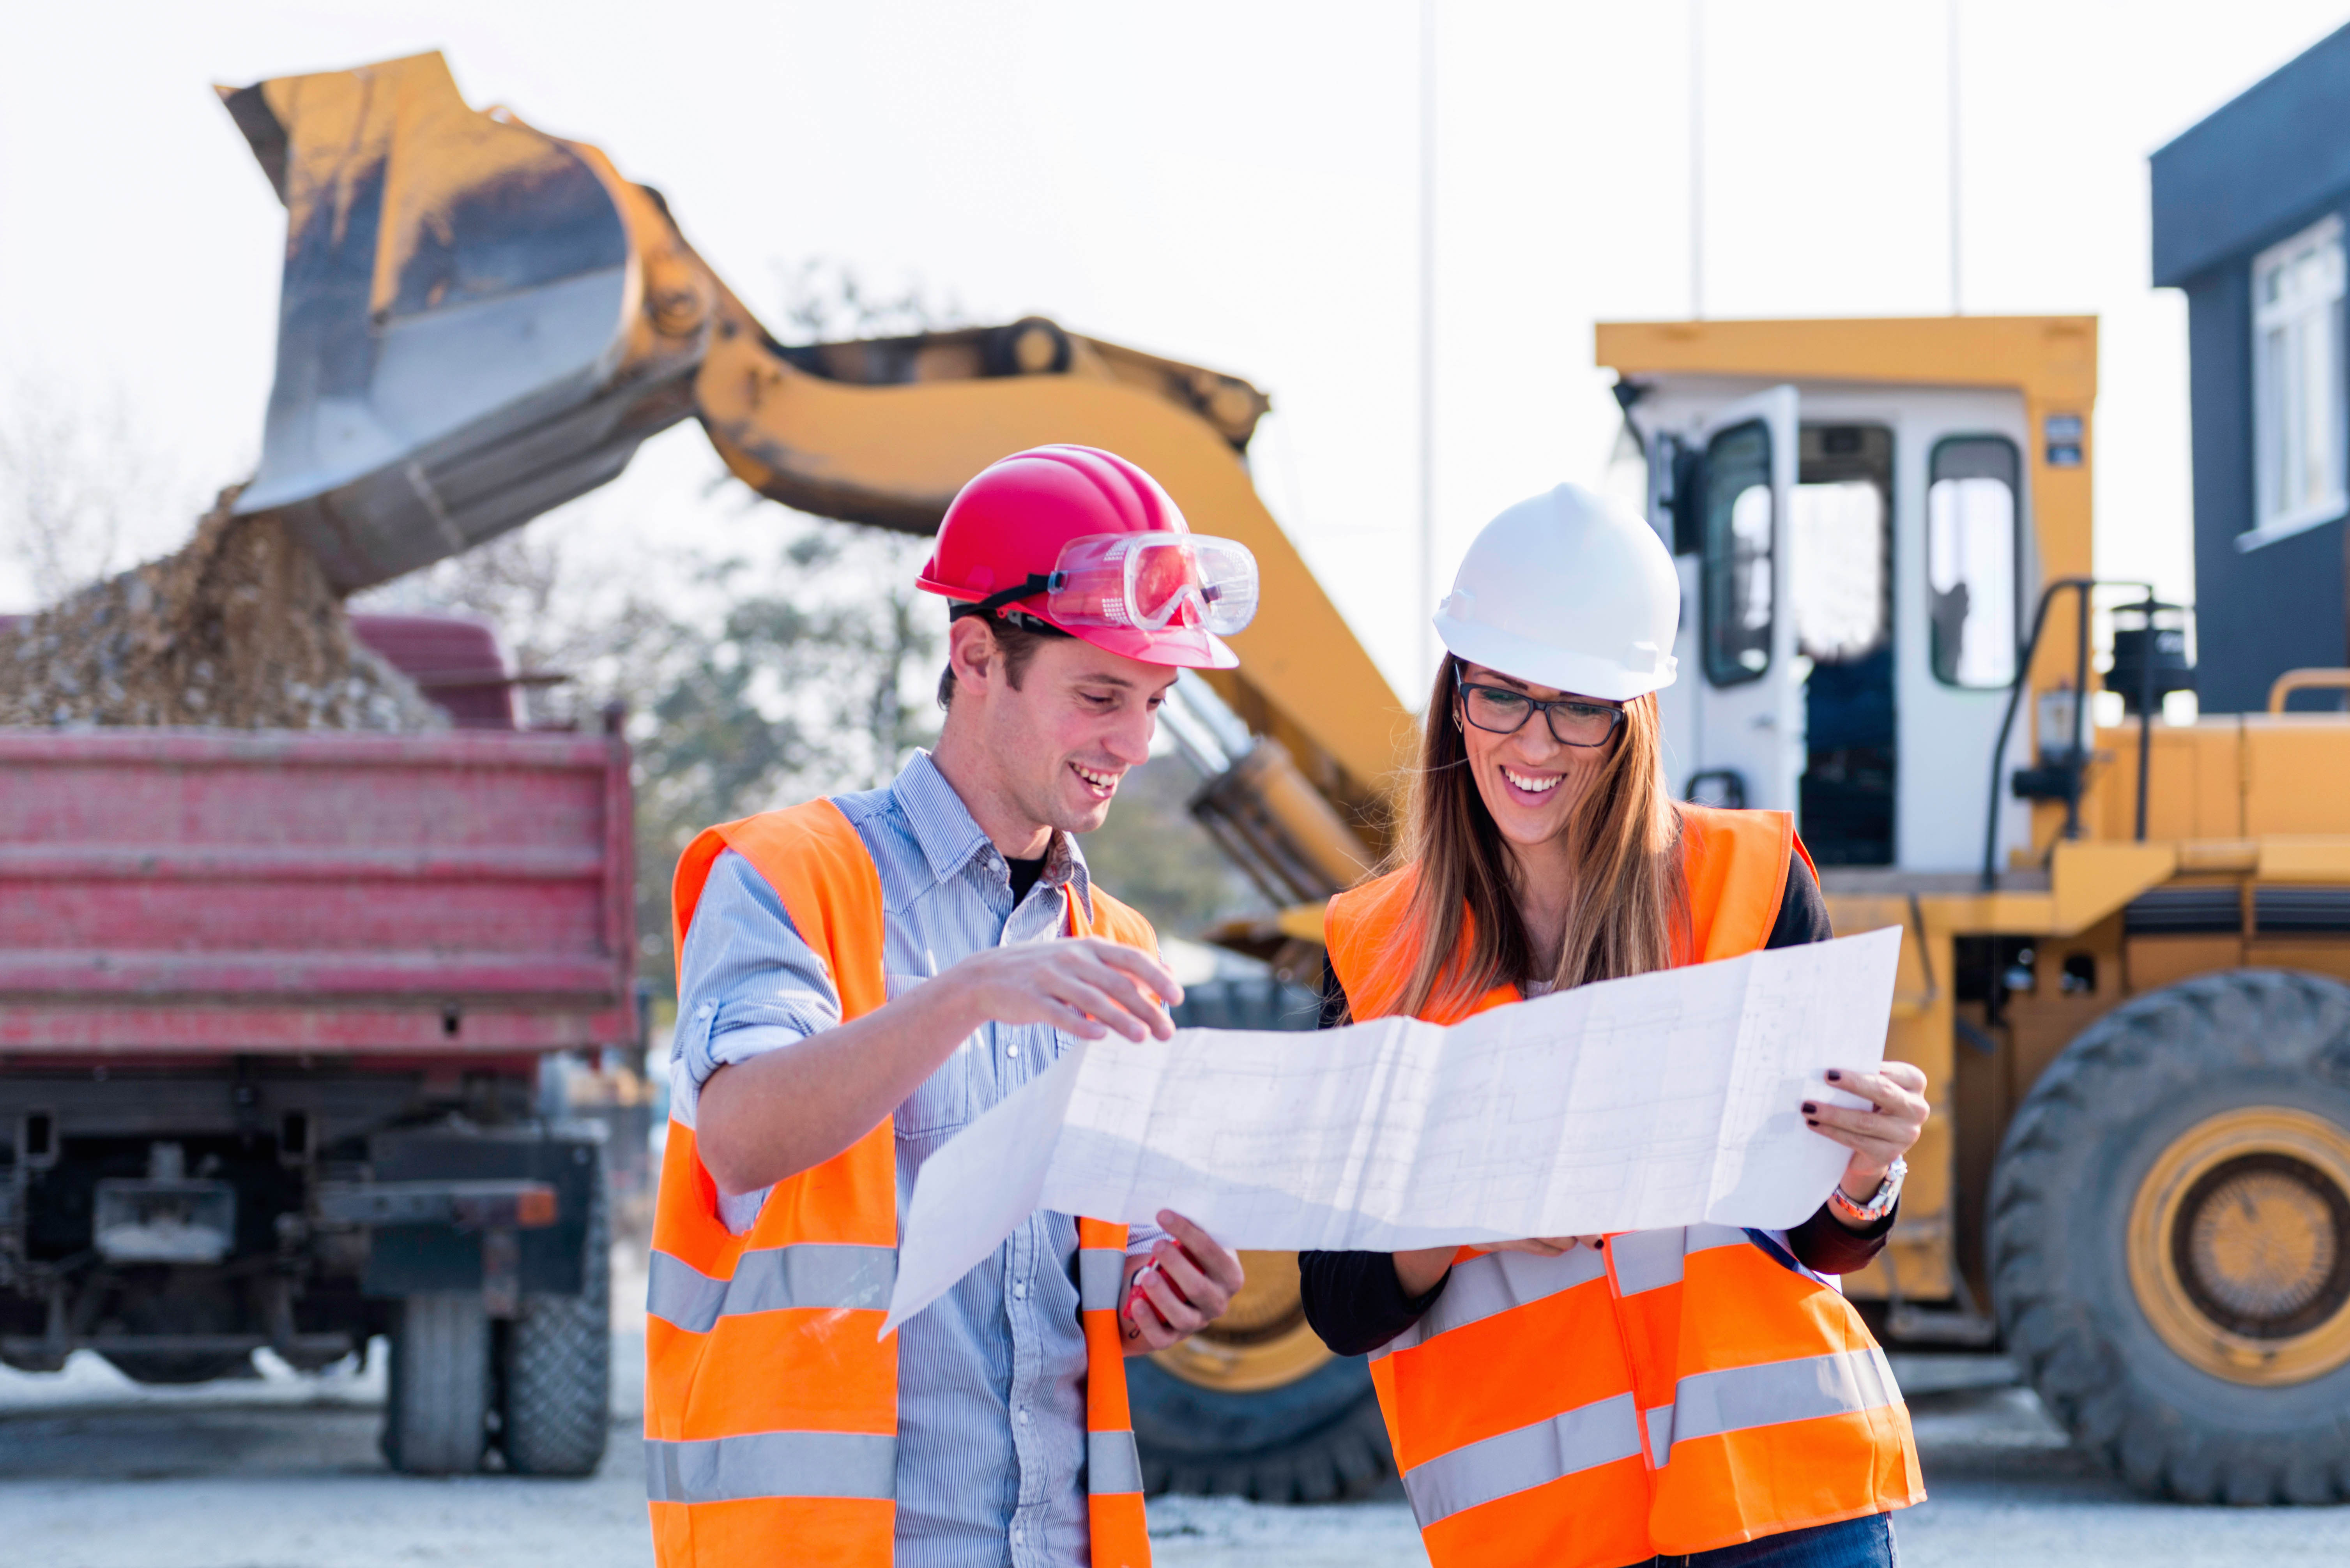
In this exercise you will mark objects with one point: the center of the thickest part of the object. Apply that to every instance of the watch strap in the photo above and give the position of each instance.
(1880, 1203)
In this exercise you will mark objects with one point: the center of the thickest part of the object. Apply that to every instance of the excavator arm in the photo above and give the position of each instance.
(481, 321)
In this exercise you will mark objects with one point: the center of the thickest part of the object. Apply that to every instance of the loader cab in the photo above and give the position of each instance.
(1855, 561)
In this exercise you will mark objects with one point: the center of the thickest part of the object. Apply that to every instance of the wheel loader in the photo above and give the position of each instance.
(2127, 937)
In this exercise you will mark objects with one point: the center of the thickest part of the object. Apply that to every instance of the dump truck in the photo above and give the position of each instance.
(275, 1011)
(2127, 923)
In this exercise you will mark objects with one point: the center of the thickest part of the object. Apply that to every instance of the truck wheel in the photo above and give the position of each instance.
(1253, 1406)
(436, 1409)
(554, 1362)
(1316, 1441)
(2171, 1239)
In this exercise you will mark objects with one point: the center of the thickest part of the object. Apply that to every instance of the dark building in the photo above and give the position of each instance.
(2250, 208)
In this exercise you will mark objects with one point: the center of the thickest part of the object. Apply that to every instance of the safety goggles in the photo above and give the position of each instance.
(1146, 581)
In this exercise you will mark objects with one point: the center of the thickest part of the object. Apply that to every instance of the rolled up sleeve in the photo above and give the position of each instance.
(748, 983)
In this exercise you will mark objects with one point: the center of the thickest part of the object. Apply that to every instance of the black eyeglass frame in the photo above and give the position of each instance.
(1461, 689)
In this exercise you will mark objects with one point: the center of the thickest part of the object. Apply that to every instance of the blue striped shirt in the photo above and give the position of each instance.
(990, 1378)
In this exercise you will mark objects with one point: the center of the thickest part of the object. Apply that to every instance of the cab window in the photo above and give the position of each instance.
(1739, 527)
(1840, 543)
(1972, 550)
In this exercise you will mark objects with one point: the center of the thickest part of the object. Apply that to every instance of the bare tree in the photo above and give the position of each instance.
(824, 300)
(79, 484)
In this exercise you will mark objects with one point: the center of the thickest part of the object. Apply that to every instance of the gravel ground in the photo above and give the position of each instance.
(281, 1471)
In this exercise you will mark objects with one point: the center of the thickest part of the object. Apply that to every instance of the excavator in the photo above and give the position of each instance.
(2127, 927)
(480, 321)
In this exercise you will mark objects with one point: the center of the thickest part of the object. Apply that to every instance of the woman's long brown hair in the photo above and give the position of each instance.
(1629, 905)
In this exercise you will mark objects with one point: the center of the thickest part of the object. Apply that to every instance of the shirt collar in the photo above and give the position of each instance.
(951, 838)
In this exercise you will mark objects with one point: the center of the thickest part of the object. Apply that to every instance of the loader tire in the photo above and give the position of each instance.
(1319, 1439)
(554, 1362)
(436, 1409)
(2170, 1240)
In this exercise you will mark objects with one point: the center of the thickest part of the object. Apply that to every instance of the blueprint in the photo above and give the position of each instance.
(1662, 1100)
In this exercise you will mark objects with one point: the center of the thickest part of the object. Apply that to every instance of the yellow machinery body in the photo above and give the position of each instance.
(2095, 949)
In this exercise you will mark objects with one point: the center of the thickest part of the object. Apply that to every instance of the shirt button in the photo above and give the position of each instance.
(1020, 1292)
(1023, 1416)
(1011, 1050)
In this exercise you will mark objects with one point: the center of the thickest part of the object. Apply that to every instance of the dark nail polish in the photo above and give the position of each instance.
(1809, 1108)
(1600, 1245)
(1835, 1076)
(1810, 1122)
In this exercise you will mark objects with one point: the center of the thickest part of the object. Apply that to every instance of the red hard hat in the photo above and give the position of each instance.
(1010, 522)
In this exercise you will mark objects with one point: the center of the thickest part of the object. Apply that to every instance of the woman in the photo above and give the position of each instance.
(1580, 1401)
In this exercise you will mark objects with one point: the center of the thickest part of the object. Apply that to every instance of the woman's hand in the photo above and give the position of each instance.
(1879, 1136)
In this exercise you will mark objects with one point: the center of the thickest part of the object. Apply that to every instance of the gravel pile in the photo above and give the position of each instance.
(238, 630)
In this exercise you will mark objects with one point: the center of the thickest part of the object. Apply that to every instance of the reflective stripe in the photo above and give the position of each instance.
(1497, 1282)
(1099, 1274)
(773, 1464)
(1704, 1238)
(811, 1274)
(1595, 1434)
(1646, 1260)
(1709, 1404)
(1493, 1284)
(1113, 1464)
(1658, 1426)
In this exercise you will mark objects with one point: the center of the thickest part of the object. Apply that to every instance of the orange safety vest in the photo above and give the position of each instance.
(1676, 1392)
(771, 1407)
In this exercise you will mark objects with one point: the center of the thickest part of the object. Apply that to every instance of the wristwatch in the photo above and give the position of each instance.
(1888, 1193)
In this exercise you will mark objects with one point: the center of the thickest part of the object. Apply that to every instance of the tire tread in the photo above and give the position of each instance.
(2121, 1066)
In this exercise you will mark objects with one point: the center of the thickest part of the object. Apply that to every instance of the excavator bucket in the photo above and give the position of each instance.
(470, 330)
(481, 321)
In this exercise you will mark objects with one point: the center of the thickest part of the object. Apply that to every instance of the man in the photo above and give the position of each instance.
(861, 977)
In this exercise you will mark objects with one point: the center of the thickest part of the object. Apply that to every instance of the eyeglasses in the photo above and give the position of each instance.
(1498, 711)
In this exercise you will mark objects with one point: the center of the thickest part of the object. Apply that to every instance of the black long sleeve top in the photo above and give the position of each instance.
(1355, 1302)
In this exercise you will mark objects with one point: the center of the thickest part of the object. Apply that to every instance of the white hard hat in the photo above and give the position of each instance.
(1567, 590)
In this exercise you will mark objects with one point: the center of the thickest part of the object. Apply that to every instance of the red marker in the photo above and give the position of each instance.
(1132, 1310)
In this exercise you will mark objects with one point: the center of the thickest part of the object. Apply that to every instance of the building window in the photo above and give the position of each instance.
(1971, 549)
(2298, 427)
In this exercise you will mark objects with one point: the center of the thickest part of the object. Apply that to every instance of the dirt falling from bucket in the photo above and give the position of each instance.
(237, 629)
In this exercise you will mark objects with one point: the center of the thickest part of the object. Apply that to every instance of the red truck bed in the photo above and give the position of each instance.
(183, 893)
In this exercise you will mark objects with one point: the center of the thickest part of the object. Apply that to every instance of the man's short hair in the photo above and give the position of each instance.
(1019, 645)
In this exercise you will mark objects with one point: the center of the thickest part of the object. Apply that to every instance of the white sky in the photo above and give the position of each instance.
(1235, 185)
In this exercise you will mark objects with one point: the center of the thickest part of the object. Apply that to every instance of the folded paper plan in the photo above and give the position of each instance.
(1661, 1100)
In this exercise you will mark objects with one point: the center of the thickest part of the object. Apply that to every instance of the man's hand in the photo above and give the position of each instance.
(1184, 1284)
(1085, 987)
(1879, 1136)
(783, 1112)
